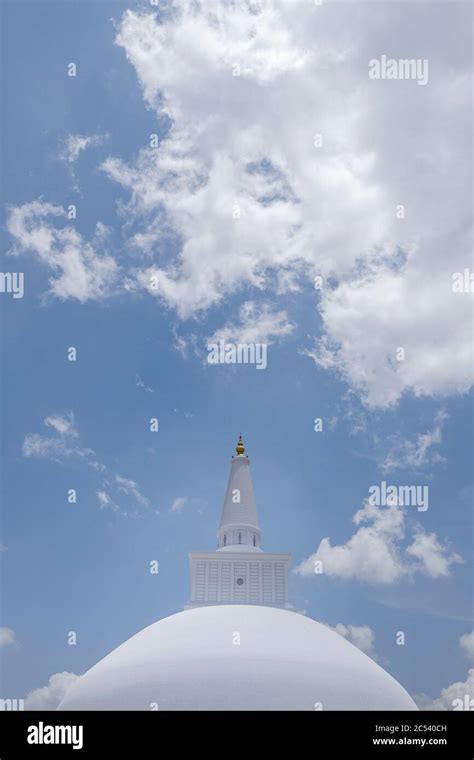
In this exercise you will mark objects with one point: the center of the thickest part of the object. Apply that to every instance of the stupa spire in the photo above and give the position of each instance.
(239, 572)
(239, 529)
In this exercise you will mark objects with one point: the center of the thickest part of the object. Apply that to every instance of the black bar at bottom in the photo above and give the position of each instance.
(135, 734)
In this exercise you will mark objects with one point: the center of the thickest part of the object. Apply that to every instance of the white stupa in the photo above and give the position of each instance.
(237, 646)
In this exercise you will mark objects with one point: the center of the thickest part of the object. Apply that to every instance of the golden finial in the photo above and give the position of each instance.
(240, 446)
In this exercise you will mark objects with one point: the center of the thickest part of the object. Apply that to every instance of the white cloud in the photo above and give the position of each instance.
(79, 271)
(258, 324)
(362, 636)
(7, 637)
(249, 36)
(62, 425)
(74, 145)
(252, 200)
(415, 454)
(377, 553)
(367, 318)
(466, 642)
(457, 695)
(240, 181)
(219, 253)
(48, 697)
(178, 504)
(434, 559)
(240, 187)
(103, 497)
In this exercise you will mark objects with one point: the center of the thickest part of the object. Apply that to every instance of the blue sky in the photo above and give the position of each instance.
(169, 212)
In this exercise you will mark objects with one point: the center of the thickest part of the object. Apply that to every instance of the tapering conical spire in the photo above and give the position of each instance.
(239, 528)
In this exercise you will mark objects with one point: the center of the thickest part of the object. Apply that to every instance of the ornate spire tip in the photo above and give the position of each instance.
(240, 446)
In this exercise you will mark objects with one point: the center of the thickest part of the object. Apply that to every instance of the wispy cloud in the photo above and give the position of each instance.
(58, 447)
(74, 145)
(180, 503)
(130, 488)
(257, 324)
(7, 637)
(65, 444)
(140, 384)
(418, 453)
(105, 500)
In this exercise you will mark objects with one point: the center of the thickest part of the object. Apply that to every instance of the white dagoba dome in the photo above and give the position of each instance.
(236, 657)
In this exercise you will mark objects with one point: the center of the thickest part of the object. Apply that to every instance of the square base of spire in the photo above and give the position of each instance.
(239, 578)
